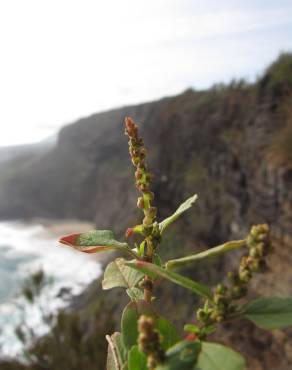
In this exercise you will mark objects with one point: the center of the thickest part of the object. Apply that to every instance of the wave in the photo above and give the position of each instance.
(24, 249)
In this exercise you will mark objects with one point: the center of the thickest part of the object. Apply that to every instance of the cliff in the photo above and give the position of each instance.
(231, 144)
(226, 144)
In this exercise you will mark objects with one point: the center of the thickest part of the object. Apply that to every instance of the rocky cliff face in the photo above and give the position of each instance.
(225, 144)
(232, 145)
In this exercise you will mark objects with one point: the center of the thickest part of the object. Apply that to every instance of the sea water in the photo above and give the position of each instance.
(24, 249)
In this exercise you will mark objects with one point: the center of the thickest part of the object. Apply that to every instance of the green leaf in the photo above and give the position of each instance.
(117, 352)
(136, 359)
(157, 260)
(181, 209)
(121, 348)
(94, 241)
(181, 356)
(168, 332)
(209, 253)
(270, 313)
(129, 325)
(191, 328)
(215, 356)
(117, 274)
(153, 270)
(135, 294)
(129, 322)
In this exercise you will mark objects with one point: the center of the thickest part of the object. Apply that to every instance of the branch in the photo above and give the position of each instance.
(212, 252)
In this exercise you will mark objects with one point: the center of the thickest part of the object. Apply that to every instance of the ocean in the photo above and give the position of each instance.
(26, 248)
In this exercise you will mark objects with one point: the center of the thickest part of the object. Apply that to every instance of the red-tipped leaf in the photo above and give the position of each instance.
(93, 241)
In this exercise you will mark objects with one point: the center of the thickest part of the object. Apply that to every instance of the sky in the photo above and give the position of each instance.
(65, 59)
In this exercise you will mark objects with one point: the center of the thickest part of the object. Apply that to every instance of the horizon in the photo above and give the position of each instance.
(91, 60)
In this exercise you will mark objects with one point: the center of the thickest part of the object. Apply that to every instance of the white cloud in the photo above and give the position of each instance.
(64, 59)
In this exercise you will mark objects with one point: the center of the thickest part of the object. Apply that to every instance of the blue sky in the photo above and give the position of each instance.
(63, 59)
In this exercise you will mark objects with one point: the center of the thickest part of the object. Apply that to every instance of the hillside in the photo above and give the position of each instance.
(224, 144)
(231, 144)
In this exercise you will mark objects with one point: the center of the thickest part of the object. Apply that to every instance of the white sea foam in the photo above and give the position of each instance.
(25, 248)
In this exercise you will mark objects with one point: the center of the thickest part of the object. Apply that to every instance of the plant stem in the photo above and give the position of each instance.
(212, 252)
(143, 180)
(148, 289)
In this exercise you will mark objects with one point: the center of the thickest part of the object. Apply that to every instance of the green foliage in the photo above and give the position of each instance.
(129, 321)
(209, 253)
(117, 352)
(214, 356)
(281, 148)
(136, 359)
(67, 345)
(181, 209)
(182, 355)
(281, 70)
(33, 285)
(117, 274)
(148, 340)
(94, 241)
(153, 271)
(270, 313)
(135, 293)
(168, 332)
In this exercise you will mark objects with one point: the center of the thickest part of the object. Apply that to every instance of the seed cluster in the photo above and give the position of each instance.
(142, 176)
(149, 228)
(149, 342)
(222, 305)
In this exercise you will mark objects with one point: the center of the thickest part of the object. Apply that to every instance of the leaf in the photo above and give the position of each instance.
(153, 270)
(181, 209)
(136, 359)
(138, 229)
(191, 328)
(157, 260)
(129, 325)
(206, 330)
(168, 332)
(94, 241)
(181, 356)
(209, 253)
(270, 313)
(117, 352)
(110, 361)
(215, 356)
(135, 294)
(117, 274)
(121, 348)
(129, 322)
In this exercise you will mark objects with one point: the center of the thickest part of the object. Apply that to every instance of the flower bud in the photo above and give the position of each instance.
(138, 174)
(129, 232)
(260, 248)
(231, 276)
(135, 160)
(152, 211)
(147, 220)
(236, 292)
(140, 203)
(221, 289)
(142, 187)
(245, 276)
(253, 252)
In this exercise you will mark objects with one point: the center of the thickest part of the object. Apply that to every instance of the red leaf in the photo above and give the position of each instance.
(129, 232)
(191, 337)
(69, 239)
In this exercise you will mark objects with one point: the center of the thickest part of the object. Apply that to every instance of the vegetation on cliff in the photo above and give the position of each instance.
(225, 144)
